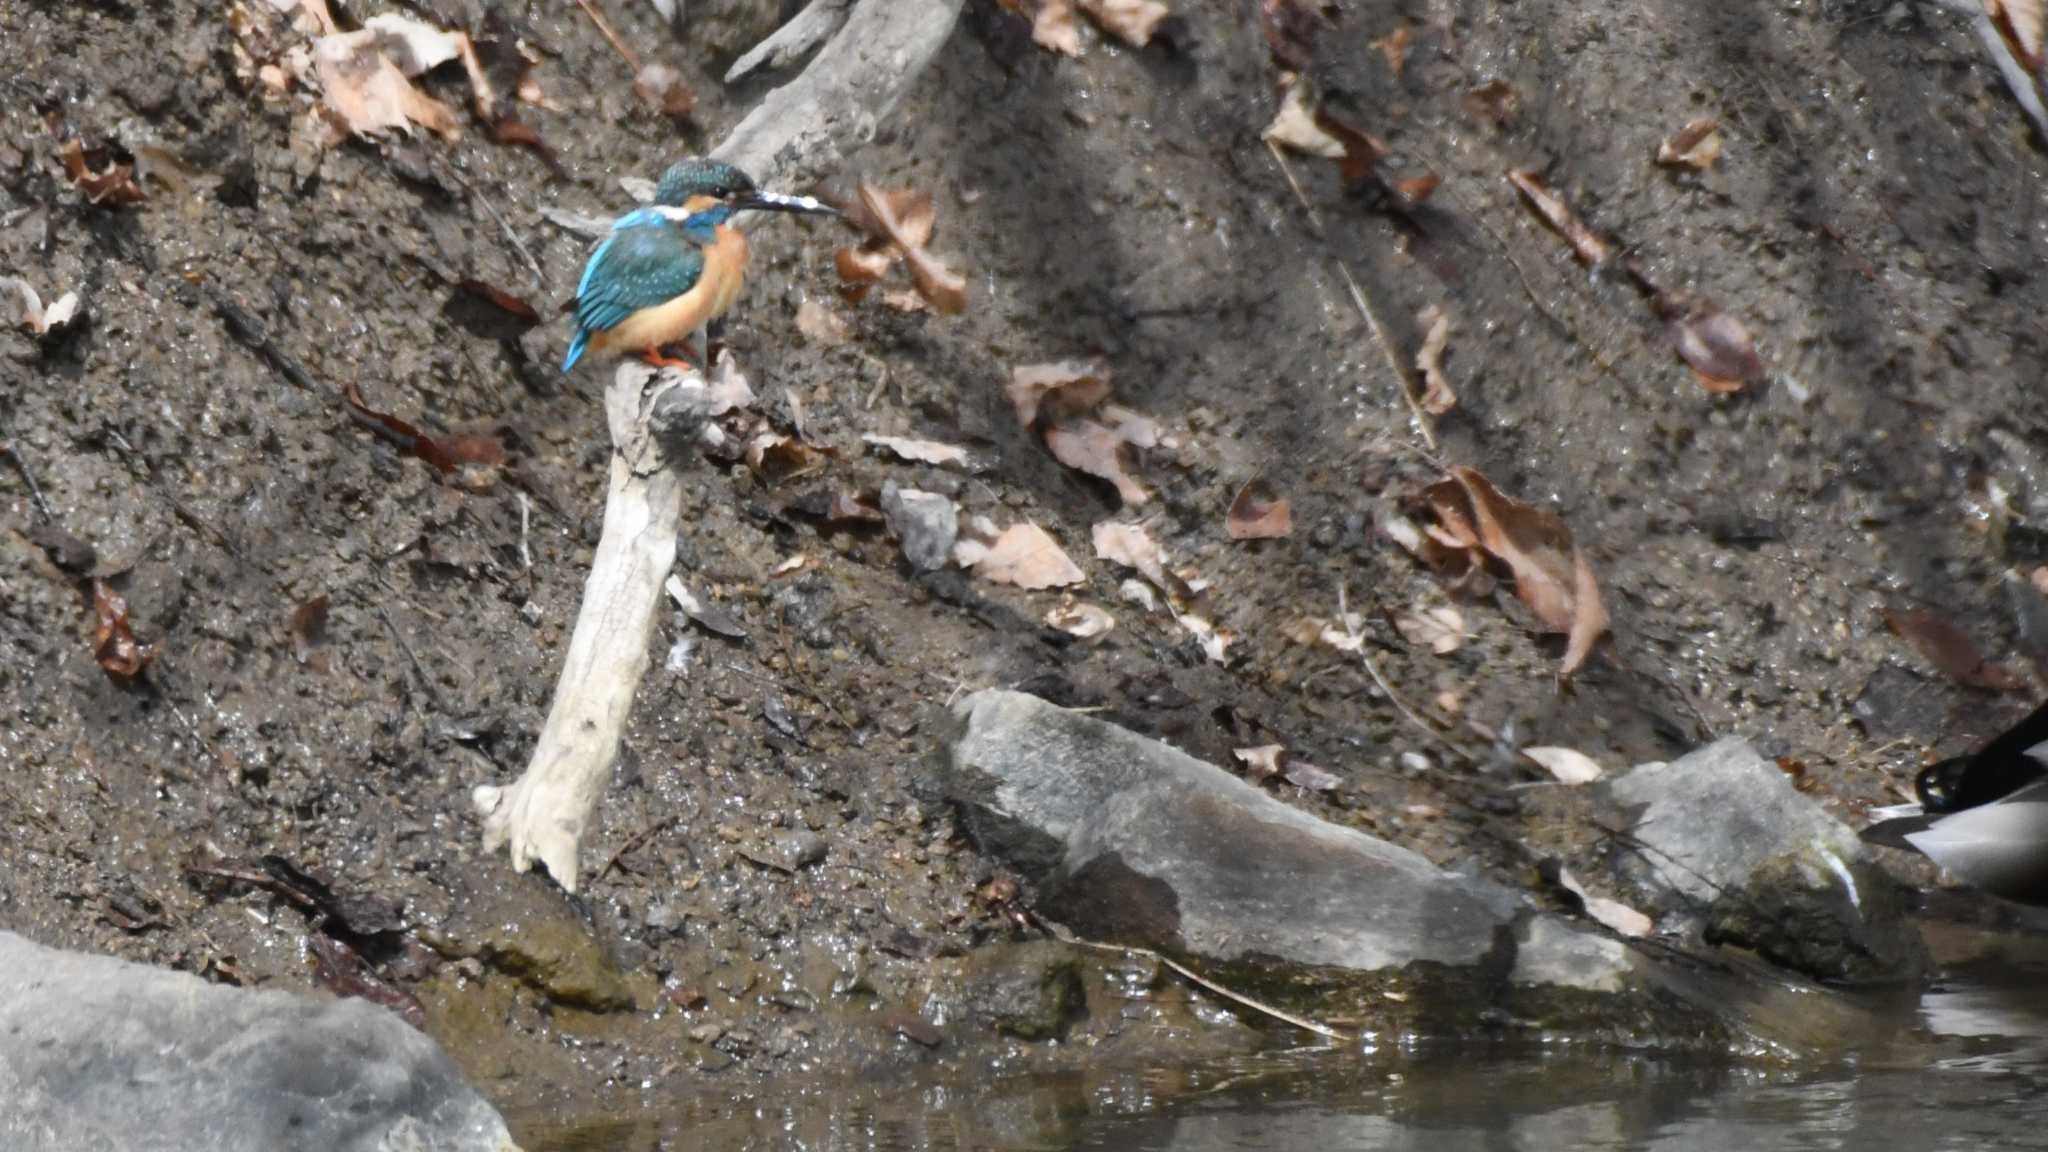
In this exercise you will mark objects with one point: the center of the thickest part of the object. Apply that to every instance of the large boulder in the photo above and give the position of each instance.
(1722, 834)
(100, 1054)
(1130, 840)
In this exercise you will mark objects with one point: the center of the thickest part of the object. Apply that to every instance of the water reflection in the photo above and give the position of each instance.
(1963, 1078)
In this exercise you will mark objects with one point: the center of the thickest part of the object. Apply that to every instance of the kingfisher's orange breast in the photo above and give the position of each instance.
(717, 289)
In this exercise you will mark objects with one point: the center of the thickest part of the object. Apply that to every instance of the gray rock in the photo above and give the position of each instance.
(925, 524)
(1726, 836)
(99, 1054)
(1032, 990)
(1128, 839)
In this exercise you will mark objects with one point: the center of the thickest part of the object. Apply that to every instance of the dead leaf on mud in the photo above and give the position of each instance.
(99, 177)
(113, 644)
(1080, 619)
(1440, 629)
(1057, 391)
(1215, 642)
(447, 455)
(1303, 774)
(1624, 920)
(309, 632)
(509, 303)
(1696, 146)
(1303, 125)
(1291, 28)
(2023, 24)
(662, 89)
(364, 77)
(37, 317)
(1941, 643)
(920, 451)
(1590, 247)
(1551, 576)
(1262, 762)
(1437, 396)
(1568, 765)
(781, 457)
(343, 971)
(1415, 191)
(1131, 546)
(1713, 343)
(820, 325)
(1055, 29)
(1099, 450)
(1259, 513)
(1131, 21)
(907, 225)
(1394, 46)
(1495, 102)
(1026, 556)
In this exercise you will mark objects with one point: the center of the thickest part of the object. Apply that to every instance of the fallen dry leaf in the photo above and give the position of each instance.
(447, 454)
(793, 564)
(113, 645)
(1291, 28)
(1303, 125)
(2023, 24)
(1495, 101)
(1696, 146)
(1437, 396)
(1080, 619)
(1214, 641)
(1303, 774)
(309, 632)
(103, 182)
(41, 319)
(1589, 246)
(662, 89)
(1624, 920)
(1394, 46)
(1941, 643)
(780, 457)
(835, 508)
(1258, 513)
(1415, 191)
(943, 288)
(920, 451)
(1055, 29)
(1131, 21)
(507, 302)
(1551, 576)
(1057, 391)
(821, 325)
(1714, 344)
(1026, 556)
(364, 83)
(1099, 450)
(1440, 629)
(1568, 765)
(1262, 762)
(1131, 546)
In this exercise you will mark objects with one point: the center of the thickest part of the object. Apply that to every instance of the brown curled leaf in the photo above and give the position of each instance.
(446, 454)
(1589, 246)
(1258, 513)
(1941, 643)
(114, 645)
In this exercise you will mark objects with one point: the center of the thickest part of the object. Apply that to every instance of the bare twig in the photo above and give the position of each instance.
(1196, 978)
(788, 44)
(631, 57)
(1402, 379)
(249, 330)
(634, 841)
(525, 531)
(539, 278)
(1372, 667)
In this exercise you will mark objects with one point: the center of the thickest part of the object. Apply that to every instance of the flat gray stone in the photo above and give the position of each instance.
(100, 1055)
(1132, 840)
(1725, 835)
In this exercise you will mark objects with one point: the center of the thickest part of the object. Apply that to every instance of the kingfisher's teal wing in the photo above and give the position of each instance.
(647, 260)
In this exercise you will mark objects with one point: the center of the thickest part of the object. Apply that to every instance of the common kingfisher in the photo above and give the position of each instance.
(668, 269)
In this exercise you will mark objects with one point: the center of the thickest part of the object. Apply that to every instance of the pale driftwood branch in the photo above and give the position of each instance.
(654, 419)
(793, 41)
(804, 129)
(801, 130)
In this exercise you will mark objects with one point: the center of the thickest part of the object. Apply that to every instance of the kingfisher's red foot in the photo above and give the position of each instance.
(653, 356)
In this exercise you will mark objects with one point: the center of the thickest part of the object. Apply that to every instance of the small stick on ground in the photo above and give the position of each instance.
(249, 330)
(631, 57)
(525, 531)
(1365, 308)
(539, 279)
(1372, 667)
(35, 491)
(1201, 981)
(634, 841)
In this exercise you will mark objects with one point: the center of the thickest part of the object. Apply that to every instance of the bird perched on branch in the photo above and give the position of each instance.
(670, 268)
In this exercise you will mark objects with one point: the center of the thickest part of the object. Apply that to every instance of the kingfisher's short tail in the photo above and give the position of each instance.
(575, 350)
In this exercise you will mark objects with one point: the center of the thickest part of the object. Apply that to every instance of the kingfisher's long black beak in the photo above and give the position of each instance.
(776, 202)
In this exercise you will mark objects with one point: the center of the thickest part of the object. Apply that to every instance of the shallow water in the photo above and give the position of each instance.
(1966, 1070)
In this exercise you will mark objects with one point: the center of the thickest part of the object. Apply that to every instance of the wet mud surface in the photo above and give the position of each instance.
(777, 897)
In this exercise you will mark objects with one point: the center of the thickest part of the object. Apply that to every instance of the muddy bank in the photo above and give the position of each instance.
(783, 893)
